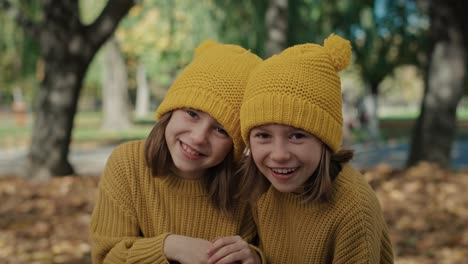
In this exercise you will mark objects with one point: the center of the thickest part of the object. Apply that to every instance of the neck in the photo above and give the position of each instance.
(187, 174)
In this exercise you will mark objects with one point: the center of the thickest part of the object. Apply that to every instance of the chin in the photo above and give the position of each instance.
(284, 189)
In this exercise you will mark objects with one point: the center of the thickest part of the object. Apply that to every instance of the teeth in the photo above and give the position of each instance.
(284, 171)
(190, 151)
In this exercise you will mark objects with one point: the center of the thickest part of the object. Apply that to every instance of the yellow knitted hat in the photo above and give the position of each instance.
(214, 82)
(300, 87)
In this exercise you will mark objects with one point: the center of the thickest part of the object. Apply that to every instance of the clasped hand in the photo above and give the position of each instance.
(224, 250)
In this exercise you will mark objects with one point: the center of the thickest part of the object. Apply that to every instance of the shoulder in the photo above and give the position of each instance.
(124, 162)
(356, 201)
(351, 184)
(128, 150)
(127, 155)
(354, 194)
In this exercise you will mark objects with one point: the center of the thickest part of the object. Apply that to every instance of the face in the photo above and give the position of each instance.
(196, 142)
(285, 155)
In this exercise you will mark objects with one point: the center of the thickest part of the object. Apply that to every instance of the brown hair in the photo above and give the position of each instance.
(318, 186)
(219, 181)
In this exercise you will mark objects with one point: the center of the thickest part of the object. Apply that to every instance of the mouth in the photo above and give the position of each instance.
(189, 152)
(283, 173)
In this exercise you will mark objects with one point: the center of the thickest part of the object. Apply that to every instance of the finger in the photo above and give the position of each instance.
(240, 256)
(227, 250)
(221, 242)
(224, 251)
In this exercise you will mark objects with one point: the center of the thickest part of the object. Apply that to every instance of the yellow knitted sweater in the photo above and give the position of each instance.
(349, 229)
(135, 211)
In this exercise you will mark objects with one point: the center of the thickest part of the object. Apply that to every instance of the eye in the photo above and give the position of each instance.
(297, 135)
(261, 135)
(191, 113)
(221, 130)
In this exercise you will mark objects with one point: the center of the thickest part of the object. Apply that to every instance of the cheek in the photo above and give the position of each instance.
(256, 155)
(312, 158)
(170, 131)
(167, 131)
(223, 146)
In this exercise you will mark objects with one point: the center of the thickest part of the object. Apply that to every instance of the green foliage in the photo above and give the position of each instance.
(18, 52)
(384, 33)
(390, 34)
(163, 35)
(242, 22)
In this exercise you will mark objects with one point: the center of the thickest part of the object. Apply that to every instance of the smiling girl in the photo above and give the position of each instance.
(310, 205)
(170, 198)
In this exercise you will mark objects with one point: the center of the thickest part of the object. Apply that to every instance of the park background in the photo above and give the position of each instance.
(79, 77)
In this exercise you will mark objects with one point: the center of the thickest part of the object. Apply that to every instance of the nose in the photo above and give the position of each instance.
(199, 134)
(280, 152)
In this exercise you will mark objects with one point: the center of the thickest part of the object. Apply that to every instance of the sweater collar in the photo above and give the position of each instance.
(183, 186)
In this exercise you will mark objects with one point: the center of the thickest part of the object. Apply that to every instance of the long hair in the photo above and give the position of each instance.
(219, 180)
(318, 187)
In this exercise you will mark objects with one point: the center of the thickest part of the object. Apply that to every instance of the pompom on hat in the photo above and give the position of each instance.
(214, 82)
(299, 87)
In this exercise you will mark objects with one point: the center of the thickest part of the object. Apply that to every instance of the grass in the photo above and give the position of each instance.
(87, 131)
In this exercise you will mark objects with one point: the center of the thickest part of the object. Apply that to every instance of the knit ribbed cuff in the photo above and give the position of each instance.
(149, 250)
(259, 253)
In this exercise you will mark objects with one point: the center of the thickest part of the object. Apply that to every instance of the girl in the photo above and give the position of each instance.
(170, 197)
(311, 205)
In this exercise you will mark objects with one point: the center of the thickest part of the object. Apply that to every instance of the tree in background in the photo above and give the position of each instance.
(18, 55)
(390, 34)
(435, 128)
(276, 22)
(243, 22)
(66, 48)
(116, 112)
(384, 34)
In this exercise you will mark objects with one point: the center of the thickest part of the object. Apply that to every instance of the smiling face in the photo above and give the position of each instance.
(285, 155)
(196, 142)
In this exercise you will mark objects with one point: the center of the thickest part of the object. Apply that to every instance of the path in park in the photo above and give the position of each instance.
(92, 161)
(85, 161)
(396, 153)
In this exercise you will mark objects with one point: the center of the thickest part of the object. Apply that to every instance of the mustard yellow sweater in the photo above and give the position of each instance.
(349, 229)
(135, 211)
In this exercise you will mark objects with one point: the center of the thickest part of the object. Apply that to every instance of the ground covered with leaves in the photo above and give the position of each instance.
(426, 209)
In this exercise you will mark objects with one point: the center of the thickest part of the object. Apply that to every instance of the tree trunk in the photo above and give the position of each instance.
(371, 107)
(66, 47)
(142, 105)
(115, 101)
(276, 21)
(435, 128)
(53, 122)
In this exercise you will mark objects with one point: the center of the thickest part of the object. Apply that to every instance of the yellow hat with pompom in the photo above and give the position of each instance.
(299, 87)
(214, 82)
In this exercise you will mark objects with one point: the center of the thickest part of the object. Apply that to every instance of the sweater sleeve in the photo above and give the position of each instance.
(249, 233)
(362, 237)
(114, 229)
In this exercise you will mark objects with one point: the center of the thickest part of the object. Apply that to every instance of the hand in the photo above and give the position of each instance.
(232, 249)
(186, 249)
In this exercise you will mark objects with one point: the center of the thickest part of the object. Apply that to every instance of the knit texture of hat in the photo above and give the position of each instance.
(214, 82)
(300, 87)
